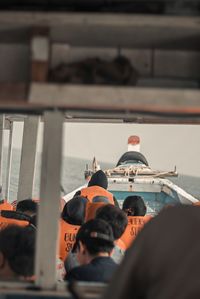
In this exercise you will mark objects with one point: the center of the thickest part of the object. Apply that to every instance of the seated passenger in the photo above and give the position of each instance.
(13, 218)
(72, 218)
(118, 221)
(27, 206)
(135, 209)
(17, 247)
(4, 205)
(91, 209)
(97, 187)
(163, 260)
(94, 244)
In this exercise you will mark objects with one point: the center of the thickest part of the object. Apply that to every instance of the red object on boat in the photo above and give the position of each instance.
(134, 140)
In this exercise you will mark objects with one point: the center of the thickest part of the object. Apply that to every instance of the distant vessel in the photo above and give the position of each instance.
(133, 176)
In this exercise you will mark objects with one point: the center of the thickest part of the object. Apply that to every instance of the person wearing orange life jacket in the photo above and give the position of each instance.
(92, 207)
(4, 205)
(27, 206)
(97, 187)
(72, 218)
(118, 221)
(135, 209)
(8, 218)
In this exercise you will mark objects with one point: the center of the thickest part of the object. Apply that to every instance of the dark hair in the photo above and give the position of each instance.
(17, 245)
(115, 217)
(96, 235)
(74, 210)
(27, 205)
(99, 179)
(134, 206)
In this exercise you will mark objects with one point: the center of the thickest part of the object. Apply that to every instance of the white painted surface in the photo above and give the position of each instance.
(49, 210)
(2, 121)
(28, 158)
(40, 48)
(9, 161)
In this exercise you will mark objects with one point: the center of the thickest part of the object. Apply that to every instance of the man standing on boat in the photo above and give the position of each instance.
(97, 186)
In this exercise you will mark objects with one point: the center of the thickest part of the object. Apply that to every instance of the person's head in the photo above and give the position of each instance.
(74, 210)
(115, 217)
(134, 206)
(94, 238)
(99, 179)
(17, 247)
(27, 206)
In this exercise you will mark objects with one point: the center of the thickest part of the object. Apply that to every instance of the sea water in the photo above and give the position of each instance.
(73, 176)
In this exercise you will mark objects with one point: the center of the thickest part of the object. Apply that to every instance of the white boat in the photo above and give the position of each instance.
(133, 176)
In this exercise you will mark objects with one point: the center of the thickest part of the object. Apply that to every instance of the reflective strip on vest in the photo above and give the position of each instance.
(67, 238)
(135, 224)
(92, 191)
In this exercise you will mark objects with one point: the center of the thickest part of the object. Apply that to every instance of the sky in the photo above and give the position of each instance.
(164, 146)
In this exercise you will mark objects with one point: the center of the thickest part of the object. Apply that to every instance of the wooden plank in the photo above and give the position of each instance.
(124, 30)
(177, 64)
(39, 19)
(116, 98)
(46, 248)
(28, 158)
(12, 92)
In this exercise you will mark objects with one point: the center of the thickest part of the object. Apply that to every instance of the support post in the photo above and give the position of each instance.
(49, 210)
(9, 161)
(40, 53)
(28, 158)
(2, 121)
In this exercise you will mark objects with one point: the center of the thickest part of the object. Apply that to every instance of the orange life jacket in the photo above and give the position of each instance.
(91, 208)
(135, 224)
(67, 238)
(92, 191)
(4, 222)
(4, 205)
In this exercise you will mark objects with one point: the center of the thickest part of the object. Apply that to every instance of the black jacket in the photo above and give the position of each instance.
(100, 269)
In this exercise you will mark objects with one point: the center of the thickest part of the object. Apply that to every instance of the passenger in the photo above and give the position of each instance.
(92, 207)
(134, 206)
(13, 218)
(72, 217)
(94, 244)
(4, 205)
(135, 209)
(97, 187)
(17, 247)
(163, 260)
(118, 221)
(27, 206)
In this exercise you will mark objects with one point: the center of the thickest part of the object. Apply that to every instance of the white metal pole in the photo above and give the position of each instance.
(9, 161)
(28, 158)
(49, 210)
(2, 121)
